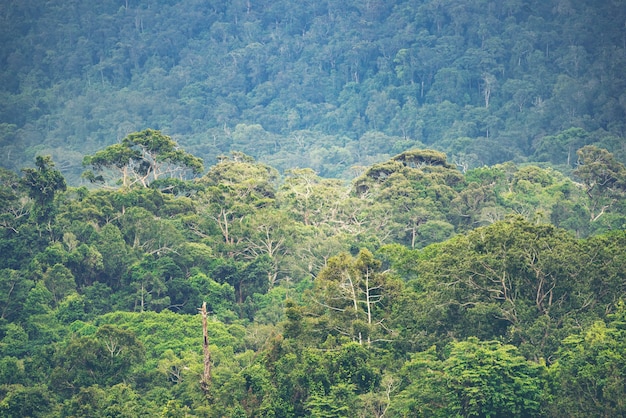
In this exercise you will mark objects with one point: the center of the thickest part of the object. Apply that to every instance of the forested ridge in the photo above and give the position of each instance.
(320, 84)
(390, 209)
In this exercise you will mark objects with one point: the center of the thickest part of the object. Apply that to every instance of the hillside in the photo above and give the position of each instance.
(326, 85)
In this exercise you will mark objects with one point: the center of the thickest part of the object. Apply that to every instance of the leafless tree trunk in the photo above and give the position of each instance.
(206, 376)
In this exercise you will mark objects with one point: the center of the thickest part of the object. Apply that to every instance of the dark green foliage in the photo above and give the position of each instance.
(104, 359)
(25, 401)
(42, 183)
(321, 85)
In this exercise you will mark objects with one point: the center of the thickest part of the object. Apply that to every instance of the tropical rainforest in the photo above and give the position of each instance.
(312, 209)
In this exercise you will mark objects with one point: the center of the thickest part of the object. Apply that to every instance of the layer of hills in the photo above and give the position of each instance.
(320, 84)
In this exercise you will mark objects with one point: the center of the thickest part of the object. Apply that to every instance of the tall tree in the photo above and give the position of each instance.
(143, 157)
(42, 184)
(604, 178)
(355, 297)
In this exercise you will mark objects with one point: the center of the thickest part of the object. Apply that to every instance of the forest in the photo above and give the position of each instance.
(323, 84)
(416, 290)
(312, 209)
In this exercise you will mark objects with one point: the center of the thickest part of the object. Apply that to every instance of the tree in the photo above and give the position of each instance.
(603, 176)
(25, 401)
(236, 186)
(474, 379)
(354, 294)
(591, 369)
(13, 204)
(14, 287)
(60, 282)
(42, 184)
(559, 149)
(143, 157)
(272, 233)
(104, 358)
(407, 192)
(493, 380)
(311, 199)
(511, 278)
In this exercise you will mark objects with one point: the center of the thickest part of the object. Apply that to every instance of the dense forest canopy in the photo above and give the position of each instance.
(419, 290)
(162, 156)
(320, 84)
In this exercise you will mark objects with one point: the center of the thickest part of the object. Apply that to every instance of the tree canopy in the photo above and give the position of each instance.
(417, 290)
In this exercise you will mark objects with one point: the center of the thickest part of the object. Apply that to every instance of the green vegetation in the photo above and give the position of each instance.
(418, 290)
(327, 85)
(388, 208)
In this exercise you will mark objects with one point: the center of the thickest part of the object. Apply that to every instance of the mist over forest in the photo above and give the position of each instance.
(324, 84)
(409, 208)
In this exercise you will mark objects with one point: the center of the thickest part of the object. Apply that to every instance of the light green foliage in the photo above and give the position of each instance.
(352, 297)
(312, 199)
(340, 402)
(235, 188)
(493, 380)
(475, 379)
(591, 369)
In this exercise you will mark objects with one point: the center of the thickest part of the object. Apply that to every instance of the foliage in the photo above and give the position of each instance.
(322, 85)
(144, 157)
(417, 290)
(476, 378)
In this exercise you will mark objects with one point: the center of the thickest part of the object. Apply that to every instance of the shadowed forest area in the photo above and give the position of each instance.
(320, 84)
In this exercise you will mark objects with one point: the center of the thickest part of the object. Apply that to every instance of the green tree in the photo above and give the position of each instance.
(354, 296)
(236, 186)
(13, 207)
(25, 401)
(591, 369)
(144, 157)
(489, 379)
(60, 282)
(560, 148)
(475, 379)
(513, 279)
(312, 199)
(42, 184)
(603, 176)
(14, 287)
(104, 358)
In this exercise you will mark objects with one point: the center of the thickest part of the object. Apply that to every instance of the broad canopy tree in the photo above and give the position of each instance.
(143, 157)
(354, 296)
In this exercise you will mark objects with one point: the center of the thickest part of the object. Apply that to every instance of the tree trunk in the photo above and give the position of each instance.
(206, 376)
